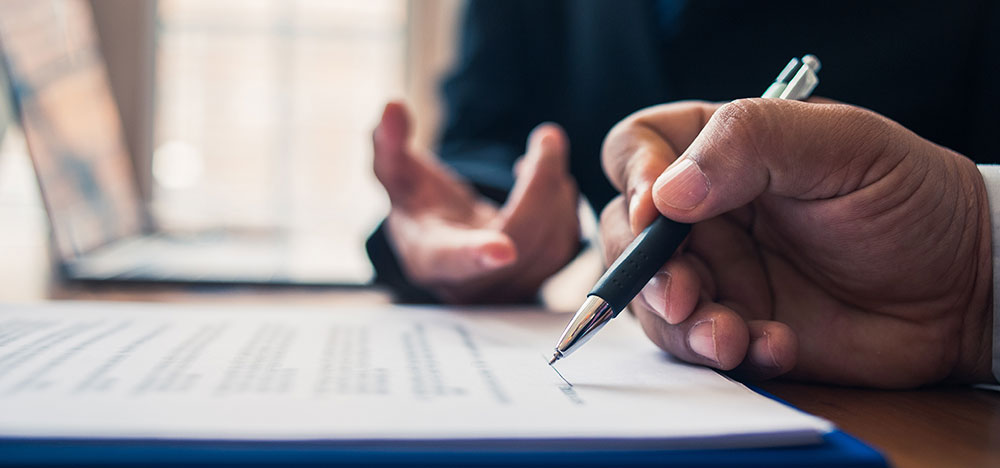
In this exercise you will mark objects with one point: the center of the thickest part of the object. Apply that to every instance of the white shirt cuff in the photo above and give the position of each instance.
(991, 175)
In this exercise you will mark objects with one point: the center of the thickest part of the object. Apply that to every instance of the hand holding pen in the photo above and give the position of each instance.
(828, 242)
(661, 237)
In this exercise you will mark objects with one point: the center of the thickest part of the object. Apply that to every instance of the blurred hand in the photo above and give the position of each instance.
(830, 243)
(461, 246)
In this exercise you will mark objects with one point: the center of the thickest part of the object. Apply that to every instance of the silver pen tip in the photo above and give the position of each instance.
(555, 357)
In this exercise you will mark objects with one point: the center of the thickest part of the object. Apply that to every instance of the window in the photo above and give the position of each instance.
(264, 109)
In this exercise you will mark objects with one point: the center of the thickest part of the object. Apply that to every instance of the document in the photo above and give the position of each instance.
(350, 375)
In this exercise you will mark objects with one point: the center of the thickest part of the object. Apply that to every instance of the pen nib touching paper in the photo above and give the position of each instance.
(550, 362)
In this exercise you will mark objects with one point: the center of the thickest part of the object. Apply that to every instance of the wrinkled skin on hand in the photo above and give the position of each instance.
(829, 243)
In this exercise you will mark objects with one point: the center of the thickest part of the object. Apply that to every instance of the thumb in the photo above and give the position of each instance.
(789, 149)
(547, 150)
(542, 176)
(392, 160)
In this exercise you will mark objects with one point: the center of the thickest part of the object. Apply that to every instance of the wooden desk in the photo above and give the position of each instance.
(924, 428)
(935, 427)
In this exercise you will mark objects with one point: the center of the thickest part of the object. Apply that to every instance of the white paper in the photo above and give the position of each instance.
(116, 370)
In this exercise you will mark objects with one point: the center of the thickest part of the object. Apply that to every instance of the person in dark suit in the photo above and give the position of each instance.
(488, 221)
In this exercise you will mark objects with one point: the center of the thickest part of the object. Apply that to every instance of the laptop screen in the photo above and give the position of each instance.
(71, 123)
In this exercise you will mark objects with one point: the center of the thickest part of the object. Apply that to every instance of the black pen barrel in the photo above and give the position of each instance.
(640, 261)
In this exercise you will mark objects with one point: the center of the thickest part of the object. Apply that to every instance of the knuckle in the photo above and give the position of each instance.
(621, 141)
(744, 123)
(742, 111)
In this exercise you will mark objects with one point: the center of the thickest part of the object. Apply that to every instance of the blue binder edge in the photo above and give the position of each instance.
(837, 450)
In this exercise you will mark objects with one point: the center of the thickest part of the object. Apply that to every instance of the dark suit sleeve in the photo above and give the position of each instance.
(493, 97)
(986, 88)
(495, 93)
(389, 273)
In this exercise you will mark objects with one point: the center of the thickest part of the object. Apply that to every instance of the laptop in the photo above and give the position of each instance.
(101, 228)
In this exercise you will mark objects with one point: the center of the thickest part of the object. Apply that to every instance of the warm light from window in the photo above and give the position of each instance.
(264, 111)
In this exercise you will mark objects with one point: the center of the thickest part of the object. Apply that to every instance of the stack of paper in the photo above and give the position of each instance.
(389, 375)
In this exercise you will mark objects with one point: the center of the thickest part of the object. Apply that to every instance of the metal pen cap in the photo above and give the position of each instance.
(592, 316)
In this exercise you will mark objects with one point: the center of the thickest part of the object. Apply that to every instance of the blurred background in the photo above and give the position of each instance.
(253, 113)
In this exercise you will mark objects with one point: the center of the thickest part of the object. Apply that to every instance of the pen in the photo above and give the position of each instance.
(654, 245)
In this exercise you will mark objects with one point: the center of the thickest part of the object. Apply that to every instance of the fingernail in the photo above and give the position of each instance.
(683, 185)
(546, 142)
(702, 340)
(770, 350)
(655, 295)
(633, 208)
(492, 261)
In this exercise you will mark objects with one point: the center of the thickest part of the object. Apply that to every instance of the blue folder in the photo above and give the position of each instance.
(838, 449)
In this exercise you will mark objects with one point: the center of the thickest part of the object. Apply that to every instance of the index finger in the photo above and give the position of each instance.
(639, 148)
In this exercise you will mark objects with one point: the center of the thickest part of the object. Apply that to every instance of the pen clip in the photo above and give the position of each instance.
(783, 78)
(805, 80)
